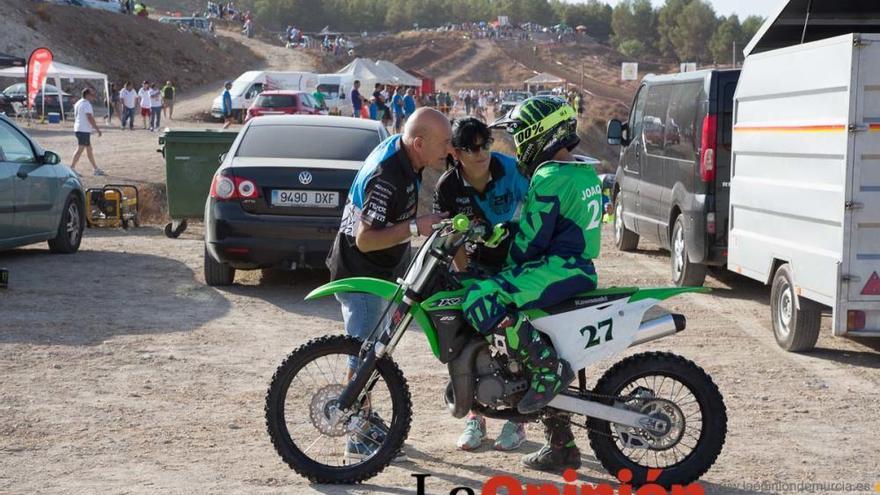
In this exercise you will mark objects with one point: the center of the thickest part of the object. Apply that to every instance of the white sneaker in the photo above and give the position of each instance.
(98, 172)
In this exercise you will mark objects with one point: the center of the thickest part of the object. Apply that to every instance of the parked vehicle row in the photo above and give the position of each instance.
(17, 93)
(769, 171)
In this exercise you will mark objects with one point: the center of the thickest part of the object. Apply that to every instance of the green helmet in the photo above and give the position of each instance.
(540, 126)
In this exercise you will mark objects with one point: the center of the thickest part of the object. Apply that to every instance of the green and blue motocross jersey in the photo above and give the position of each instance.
(562, 214)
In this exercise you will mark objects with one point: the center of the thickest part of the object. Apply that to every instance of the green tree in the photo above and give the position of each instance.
(632, 48)
(667, 23)
(726, 34)
(750, 27)
(634, 20)
(694, 30)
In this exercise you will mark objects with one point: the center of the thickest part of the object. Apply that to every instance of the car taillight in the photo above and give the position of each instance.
(708, 145)
(710, 223)
(230, 187)
(855, 320)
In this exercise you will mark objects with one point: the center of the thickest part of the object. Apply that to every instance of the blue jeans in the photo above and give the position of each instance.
(360, 314)
(128, 115)
(155, 117)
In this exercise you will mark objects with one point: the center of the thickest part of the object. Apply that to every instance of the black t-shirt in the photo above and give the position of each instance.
(498, 203)
(385, 192)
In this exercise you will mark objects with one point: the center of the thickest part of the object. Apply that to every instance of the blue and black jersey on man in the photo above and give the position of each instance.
(498, 203)
(384, 192)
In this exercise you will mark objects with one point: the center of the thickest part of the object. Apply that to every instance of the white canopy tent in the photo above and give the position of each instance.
(402, 77)
(543, 79)
(58, 71)
(367, 72)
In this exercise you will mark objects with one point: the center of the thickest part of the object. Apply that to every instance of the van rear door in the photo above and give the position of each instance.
(724, 89)
(861, 255)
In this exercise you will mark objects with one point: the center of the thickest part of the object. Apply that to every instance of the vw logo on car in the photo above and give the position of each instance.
(305, 178)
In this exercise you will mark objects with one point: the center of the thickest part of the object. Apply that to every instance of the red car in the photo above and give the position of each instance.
(284, 102)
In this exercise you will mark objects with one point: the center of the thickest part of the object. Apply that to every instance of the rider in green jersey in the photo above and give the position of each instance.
(550, 261)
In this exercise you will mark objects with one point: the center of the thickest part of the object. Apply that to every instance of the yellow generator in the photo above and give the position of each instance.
(114, 205)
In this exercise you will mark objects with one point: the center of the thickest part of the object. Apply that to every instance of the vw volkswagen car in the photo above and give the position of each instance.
(277, 199)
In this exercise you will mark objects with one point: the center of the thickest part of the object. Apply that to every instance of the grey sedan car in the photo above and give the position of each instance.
(40, 200)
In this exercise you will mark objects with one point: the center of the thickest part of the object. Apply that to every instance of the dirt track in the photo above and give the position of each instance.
(123, 372)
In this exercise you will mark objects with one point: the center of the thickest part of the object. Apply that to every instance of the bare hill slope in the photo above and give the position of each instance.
(123, 47)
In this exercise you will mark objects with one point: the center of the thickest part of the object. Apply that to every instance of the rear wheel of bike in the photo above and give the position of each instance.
(679, 392)
(299, 414)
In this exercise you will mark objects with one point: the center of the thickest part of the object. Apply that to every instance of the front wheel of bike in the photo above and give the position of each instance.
(672, 389)
(308, 431)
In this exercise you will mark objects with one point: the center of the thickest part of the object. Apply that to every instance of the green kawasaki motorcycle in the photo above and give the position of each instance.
(653, 410)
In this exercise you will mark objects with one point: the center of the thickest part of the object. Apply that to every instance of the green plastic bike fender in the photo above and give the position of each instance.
(661, 294)
(386, 291)
(375, 286)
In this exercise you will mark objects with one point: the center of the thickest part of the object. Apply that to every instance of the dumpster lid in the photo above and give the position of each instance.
(201, 135)
(822, 18)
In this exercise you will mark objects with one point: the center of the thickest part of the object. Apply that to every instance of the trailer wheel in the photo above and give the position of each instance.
(795, 320)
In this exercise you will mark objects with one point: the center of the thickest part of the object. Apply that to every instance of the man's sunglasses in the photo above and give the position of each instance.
(486, 146)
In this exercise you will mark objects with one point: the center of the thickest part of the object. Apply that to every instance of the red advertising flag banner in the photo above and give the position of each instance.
(37, 68)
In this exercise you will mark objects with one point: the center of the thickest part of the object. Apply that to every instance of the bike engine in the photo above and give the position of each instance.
(500, 380)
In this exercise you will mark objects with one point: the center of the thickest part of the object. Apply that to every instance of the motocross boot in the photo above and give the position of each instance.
(560, 452)
(548, 374)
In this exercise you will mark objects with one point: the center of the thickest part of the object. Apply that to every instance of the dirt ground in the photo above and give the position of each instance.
(123, 373)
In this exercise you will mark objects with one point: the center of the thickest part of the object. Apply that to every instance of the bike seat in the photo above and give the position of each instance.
(591, 298)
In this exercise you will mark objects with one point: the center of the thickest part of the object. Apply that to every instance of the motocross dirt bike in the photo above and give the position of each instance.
(653, 410)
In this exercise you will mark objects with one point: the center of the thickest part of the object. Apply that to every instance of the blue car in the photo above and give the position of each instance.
(40, 199)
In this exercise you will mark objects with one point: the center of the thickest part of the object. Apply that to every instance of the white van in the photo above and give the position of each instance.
(335, 88)
(805, 173)
(250, 84)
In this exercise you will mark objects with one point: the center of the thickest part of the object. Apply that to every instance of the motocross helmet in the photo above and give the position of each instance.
(540, 126)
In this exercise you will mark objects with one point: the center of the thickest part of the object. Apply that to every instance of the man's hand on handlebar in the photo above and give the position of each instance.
(426, 222)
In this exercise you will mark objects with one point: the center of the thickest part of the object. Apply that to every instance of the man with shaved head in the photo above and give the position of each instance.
(378, 223)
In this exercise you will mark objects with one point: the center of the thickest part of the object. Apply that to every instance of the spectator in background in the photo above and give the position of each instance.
(144, 102)
(114, 103)
(83, 126)
(356, 100)
(397, 108)
(409, 103)
(155, 107)
(168, 99)
(226, 108)
(140, 9)
(128, 99)
(319, 99)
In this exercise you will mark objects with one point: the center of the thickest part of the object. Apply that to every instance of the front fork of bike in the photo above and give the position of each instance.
(366, 375)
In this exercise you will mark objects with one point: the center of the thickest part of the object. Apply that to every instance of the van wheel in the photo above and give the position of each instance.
(795, 320)
(69, 234)
(216, 273)
(684, 273)
(625, 239)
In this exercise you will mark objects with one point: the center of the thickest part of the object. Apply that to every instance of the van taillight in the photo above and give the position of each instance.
(230, 187)
(707, 148)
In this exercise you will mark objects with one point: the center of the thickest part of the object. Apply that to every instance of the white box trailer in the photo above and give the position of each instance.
(805, 176)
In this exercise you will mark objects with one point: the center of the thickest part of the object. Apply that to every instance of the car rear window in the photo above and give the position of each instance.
(275, 101)
(309, 142)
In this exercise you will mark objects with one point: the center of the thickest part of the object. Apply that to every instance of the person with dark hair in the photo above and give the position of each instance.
(487, 187)
(83, 126)
(356, 100)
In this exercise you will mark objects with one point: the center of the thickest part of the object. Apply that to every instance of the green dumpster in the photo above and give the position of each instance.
(191, 158)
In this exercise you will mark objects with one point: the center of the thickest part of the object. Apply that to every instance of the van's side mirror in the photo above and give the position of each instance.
(50, 158)
(615, 133)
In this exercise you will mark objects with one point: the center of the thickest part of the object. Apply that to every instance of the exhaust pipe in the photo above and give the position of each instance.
(658, 328)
